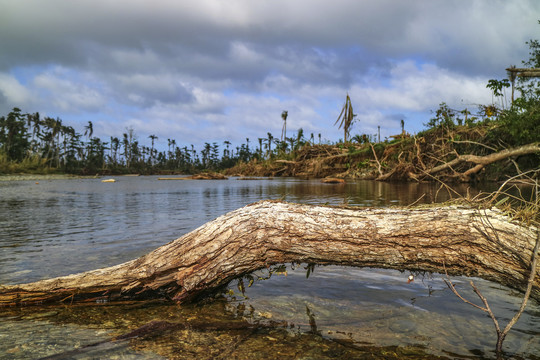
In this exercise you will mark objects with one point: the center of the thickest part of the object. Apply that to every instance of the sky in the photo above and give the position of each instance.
(214, 70)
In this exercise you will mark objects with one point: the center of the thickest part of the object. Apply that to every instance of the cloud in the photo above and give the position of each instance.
(213, 70)
(13, 93)
(149, 89)
(416, 88)
(69, 92)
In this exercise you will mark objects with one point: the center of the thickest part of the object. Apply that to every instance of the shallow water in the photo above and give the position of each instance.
(59, 227)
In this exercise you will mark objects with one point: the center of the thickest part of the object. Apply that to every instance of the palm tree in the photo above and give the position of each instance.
(206, 155)
(270, 138)
(173, 143)
(59, 128)
(54, 128)
(299, 139)
(34, 122)
(226, 152)
(153, 137)
(260, 146)
(115, 142)
(127, 157)
(74, 151)
(89, 130)
(346, 117)
(68, 133)
(284, 115)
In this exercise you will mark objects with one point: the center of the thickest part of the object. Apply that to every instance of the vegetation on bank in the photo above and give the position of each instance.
(495, 142)
(452, 143)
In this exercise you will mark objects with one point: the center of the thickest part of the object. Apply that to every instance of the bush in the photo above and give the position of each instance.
(520, 125)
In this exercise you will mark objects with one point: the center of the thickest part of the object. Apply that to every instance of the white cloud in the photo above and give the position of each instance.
(12, 92)
(69, 92)
(419, 88)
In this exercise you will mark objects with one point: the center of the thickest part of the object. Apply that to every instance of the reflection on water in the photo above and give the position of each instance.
(64, 226)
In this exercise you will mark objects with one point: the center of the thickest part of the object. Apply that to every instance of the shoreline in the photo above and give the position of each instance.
(41, 177)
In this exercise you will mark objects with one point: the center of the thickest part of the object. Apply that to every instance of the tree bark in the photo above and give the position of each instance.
(470, 242)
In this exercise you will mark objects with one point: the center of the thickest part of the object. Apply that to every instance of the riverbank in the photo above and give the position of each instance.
(458, 154)
(463, 153)
(42, 177)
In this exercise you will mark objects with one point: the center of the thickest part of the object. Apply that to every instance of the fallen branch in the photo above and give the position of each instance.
(288, 162)
(270, 232)
(376, 159)
(481, 161)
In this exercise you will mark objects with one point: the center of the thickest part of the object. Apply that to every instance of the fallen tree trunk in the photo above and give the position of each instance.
(466, 241)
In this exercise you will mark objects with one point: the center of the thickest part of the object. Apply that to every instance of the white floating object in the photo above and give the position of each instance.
(108, 180)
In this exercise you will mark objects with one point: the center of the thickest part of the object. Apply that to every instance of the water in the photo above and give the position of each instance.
(60, 227)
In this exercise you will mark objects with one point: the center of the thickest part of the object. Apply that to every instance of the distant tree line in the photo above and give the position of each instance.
(47, 143)
(29, 142)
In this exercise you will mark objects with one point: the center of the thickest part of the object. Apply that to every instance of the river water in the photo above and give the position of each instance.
(57, 227)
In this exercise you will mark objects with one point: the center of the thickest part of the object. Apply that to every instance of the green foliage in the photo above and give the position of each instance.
(520, 125)
(29, 165)
(444, 117)
(29, 143)
(13, 135)
(379, 147)
(497, 86)
(363, 164)
(361, 139)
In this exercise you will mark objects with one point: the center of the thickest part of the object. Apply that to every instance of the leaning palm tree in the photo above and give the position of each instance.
(346, 117)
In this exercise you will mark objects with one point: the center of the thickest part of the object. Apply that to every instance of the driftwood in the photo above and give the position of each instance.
(465, 241)
(203, 176)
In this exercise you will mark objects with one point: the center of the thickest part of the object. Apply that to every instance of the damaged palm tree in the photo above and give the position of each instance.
(346, 118)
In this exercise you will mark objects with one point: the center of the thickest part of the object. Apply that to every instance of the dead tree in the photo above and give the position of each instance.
(466, 241)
